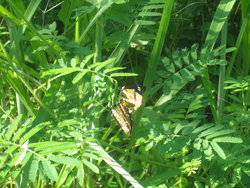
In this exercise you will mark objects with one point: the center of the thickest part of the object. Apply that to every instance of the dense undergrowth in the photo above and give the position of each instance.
(63, 63)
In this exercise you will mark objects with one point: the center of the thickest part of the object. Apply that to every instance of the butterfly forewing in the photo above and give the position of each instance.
(131, 99)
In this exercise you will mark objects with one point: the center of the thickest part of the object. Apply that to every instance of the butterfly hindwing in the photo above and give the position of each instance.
(123, 118)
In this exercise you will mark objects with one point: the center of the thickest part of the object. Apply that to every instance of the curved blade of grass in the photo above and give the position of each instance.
(98, 14)
(156, 52)
(111, 162)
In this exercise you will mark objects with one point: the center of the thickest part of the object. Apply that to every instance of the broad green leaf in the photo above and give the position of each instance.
(103, 64)
(91, 156)
(153, 6)
(144, 22)
(197, 144)
(41, 144)
(203, 127)
(57, 147)
(228, 139)
(210, 131)
(113, 69)
(142, 14)
(94, 65)
(220, 133)
(206, 148)
(64, 160)
(80, 175)
(178, 128)
(49, 170)
(66, 174)
(149, 146)
(91, 166)
(79, 76)
(62, 71)
(218, 150)
(33, 170)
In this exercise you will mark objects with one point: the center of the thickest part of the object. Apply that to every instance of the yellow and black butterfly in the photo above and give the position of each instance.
(129, 102)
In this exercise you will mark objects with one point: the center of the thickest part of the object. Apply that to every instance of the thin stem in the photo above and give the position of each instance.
(221, 91)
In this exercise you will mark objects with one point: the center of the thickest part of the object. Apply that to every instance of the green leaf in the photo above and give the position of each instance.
(79, 76)
(33, 131)
(64, 160)
(13, 127)
(207, 148)
(113, 69)
(149, 146)
(86, 60)
(80, 175)
(33, 170)
(161, 177)
(97, 15)
(144, 22)
(187, 75)
(218, 150)
(236, 175)
(23, 153)
(62, 71)
(142, 14)
(210, 131)
(220, 133)
(203, 127)
(49, 170)
(228, 139)
(68, 122)
(21, 130)
(29, 13)
(103, 64)
(220, 17)
(6, 13)
(94, 65)
(91, 166)
(57, 147)
(178, 128)
(91, 156)
(123, 74)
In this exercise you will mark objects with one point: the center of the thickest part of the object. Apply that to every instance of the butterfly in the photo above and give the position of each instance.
(129, 102)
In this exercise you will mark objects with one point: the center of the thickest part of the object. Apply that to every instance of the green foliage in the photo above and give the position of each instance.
(62, 64)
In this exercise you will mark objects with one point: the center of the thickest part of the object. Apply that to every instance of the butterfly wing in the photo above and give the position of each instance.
(129, 102)
(122, 117)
